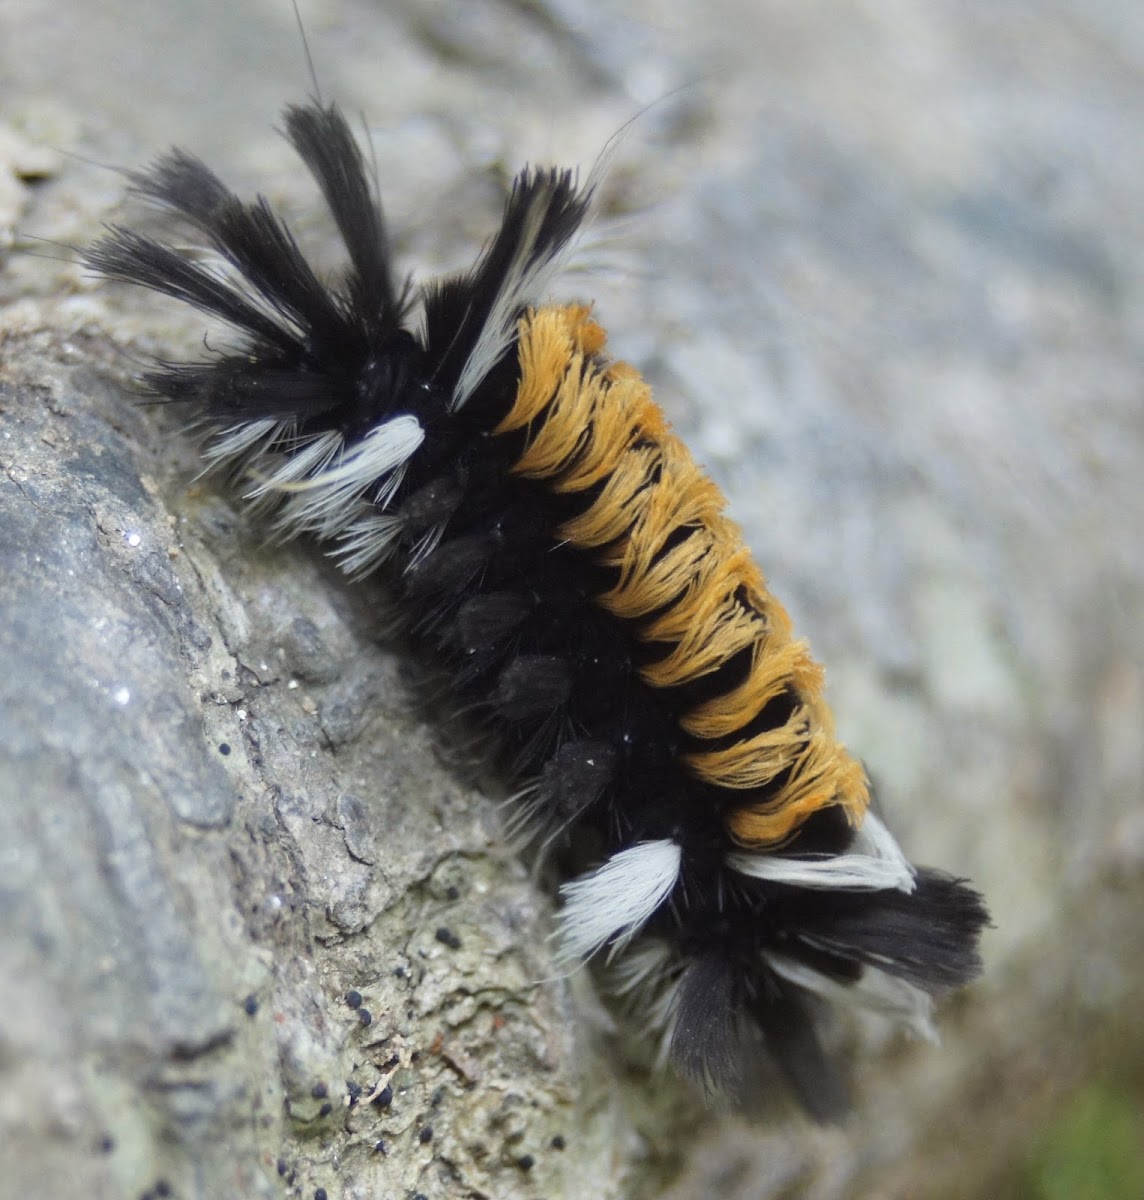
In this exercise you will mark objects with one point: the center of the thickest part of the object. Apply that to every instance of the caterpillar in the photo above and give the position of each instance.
(564, 565)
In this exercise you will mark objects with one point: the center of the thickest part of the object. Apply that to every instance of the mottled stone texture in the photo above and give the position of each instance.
(884, 265)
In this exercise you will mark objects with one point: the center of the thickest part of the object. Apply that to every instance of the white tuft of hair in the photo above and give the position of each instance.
(612, 903)
(874, 862)
(875, 992)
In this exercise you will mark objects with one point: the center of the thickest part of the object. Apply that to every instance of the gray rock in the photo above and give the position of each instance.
(886, 277)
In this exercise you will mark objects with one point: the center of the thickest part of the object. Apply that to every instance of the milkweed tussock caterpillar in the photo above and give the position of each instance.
(564, 564)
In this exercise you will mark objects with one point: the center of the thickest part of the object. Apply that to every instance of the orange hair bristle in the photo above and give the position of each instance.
(699, 595)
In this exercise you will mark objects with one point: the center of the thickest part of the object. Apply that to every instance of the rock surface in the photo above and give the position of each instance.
(884, 265)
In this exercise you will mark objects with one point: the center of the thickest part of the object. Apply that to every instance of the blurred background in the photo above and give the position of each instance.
(883, 261)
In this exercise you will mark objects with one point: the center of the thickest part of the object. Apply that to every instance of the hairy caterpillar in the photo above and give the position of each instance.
(564, 564)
